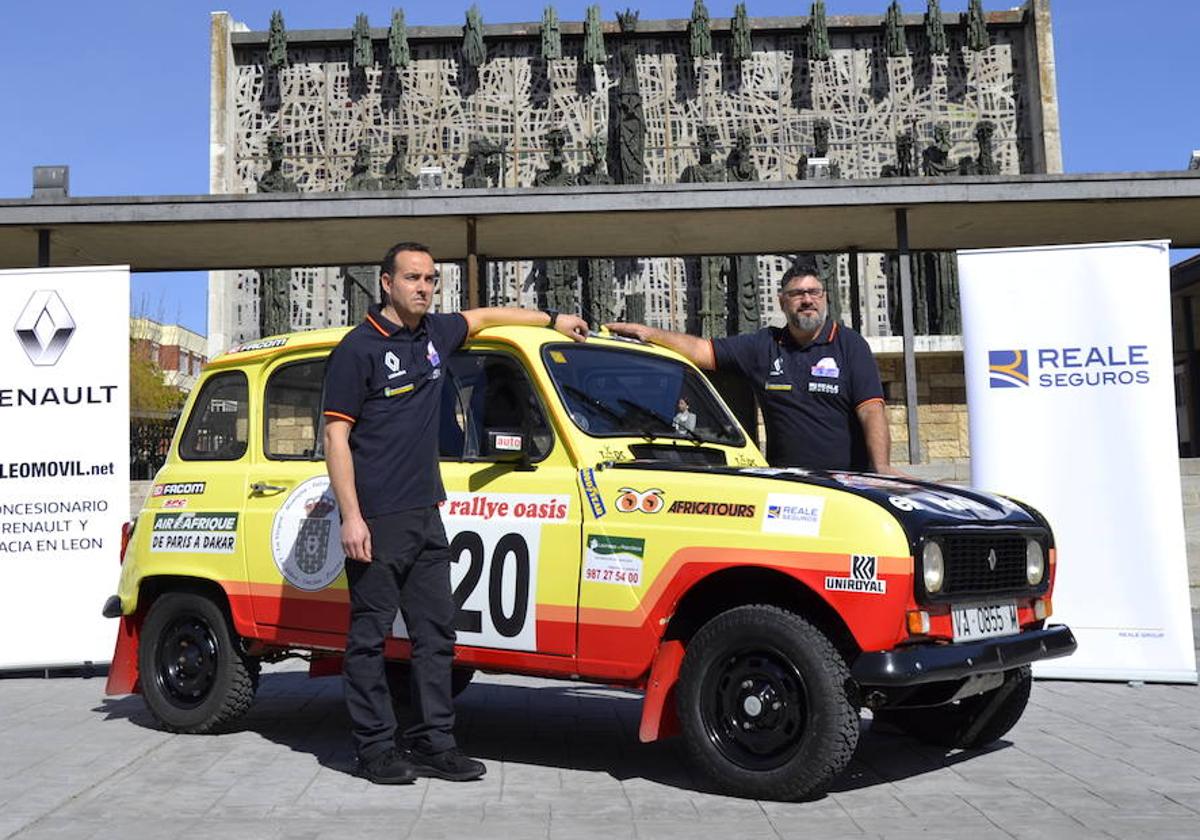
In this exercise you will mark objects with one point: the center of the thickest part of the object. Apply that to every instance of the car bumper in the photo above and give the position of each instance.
(938, 663)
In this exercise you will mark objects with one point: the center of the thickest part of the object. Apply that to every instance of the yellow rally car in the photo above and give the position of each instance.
(599, 531)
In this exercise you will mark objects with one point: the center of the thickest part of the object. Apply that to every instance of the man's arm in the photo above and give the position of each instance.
(356, 538)
(699, 351)
(571, 326)
(873, 418)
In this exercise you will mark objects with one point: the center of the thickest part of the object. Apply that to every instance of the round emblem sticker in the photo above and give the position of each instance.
(306, 539)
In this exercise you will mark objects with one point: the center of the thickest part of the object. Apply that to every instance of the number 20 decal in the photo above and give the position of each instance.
(510, 555)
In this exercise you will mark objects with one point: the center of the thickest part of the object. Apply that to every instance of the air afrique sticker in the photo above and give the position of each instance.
(199, 533)
(306, 536)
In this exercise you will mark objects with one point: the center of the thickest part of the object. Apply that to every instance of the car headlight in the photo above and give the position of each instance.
(1035, 562)
(934, 566)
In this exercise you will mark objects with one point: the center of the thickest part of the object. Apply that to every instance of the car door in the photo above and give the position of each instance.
(293, 549)
(513, 525)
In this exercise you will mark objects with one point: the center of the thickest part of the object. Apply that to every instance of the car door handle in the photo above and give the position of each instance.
(261, 488)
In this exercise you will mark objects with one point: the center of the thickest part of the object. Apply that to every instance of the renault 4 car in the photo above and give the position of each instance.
(600, 532)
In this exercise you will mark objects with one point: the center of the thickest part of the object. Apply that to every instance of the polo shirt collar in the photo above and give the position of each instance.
(384, 326)
(825, 335)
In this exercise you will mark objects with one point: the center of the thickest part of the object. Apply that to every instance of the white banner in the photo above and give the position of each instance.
(64, 460)
(1070, 399)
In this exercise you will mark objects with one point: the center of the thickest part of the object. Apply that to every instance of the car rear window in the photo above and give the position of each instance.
(292, 415)
(218, 429)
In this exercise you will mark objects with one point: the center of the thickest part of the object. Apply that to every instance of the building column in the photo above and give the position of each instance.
(910, 341)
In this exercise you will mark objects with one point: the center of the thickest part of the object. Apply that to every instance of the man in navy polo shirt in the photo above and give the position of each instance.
(383, 387)
(816, 380)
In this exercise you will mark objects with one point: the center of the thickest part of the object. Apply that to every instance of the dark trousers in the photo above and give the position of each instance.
(410, 571)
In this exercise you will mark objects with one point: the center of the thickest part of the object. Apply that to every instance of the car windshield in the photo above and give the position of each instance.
(612, 392)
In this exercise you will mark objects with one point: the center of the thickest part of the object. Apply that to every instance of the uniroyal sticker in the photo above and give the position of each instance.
(183, 488)
(587, 479)
(864, 570)
(306, 536)
(194, 533)
(616, 560)
(786, 513)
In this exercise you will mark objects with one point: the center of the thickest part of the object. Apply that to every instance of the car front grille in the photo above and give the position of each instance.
(969, 571)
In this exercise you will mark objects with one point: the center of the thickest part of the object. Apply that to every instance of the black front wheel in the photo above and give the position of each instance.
(765, 704)
(194, 676)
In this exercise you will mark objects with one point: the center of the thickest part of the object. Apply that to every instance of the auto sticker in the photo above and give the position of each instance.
(306, 536)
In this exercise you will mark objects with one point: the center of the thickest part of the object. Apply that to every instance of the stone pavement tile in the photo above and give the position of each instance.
(585, 829)
(606, 802)
(515, 812)
(719, 808)
(1141, 802)
(816, 828)
(878, 802)
(1138, 826)
(53, 828)
(1184, 795)
(658, 829)
(450, 828)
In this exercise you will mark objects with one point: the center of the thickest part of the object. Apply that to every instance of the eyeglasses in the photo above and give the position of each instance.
(794, 294)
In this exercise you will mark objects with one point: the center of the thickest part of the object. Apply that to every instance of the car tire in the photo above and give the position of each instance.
(953, 726)
(194, 675)
(399, 675)
(766, 704)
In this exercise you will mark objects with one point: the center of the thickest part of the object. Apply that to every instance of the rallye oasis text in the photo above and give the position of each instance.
(595, 535)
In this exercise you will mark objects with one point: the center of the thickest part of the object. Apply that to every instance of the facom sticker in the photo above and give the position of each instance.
(306, 536)
(182, 488)
(616, 560)
(786, 513)
(198, 533)
(265, 344)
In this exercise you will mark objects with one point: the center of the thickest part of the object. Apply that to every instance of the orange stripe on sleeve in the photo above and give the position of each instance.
(337, 415)
(861, 404)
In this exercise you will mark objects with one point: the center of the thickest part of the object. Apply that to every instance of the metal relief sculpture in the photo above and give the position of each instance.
(593, 37)
(277, 42)
(906, 158)
(977, 34)
(935, 29)
(631, 120)
(739, 30)
(274, 284)
(360, 281)
(398, 50)
(894, 31)
(711, 311)
(561, 275)
(482, 164)
(474, 51)
(985, 164)
(821, 128)
(818, 33)
(599, 289)
(743, 281)
(935, 160)
(363, 53)
(699, 31)
(395, 172)
(551, 36)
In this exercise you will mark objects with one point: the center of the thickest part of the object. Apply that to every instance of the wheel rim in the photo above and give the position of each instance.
(186, 661)
(754, 705)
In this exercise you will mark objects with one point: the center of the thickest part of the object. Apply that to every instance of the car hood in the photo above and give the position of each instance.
(918, 505)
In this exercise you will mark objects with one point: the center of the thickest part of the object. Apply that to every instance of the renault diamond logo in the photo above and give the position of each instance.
(44, 327)
(992, 559)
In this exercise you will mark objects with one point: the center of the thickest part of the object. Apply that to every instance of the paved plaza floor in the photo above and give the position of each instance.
(1087, 760)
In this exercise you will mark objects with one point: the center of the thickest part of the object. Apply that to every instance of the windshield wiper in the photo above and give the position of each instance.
(654, 415)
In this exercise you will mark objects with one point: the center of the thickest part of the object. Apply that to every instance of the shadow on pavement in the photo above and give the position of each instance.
(570, 726)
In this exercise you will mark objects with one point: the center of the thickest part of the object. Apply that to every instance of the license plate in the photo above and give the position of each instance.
(984, 621)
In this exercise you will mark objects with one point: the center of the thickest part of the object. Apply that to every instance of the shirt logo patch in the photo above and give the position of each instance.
(392, 362)
(777, 366)
(431, 354)
(827, 368)
(778, 386)
(823, 388)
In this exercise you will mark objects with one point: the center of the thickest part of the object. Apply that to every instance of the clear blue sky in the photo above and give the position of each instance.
(118, 90)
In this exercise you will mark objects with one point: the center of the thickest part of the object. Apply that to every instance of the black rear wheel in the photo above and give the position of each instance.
(194, 676)
(765, 704)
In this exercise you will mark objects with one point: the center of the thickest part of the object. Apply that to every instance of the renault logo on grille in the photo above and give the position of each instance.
(992, 559)
(44, 327)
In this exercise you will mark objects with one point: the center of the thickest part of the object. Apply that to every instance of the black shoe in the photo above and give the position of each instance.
(450, 765)
(390, 767)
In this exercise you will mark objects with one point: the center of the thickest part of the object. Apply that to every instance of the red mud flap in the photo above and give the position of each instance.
(123, 673)
(659, 718)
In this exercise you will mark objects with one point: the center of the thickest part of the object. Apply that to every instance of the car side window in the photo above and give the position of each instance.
(490, 392)
(218, 429)
(292, 411)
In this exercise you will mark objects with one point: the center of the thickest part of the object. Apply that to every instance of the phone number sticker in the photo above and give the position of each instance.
(614, 560)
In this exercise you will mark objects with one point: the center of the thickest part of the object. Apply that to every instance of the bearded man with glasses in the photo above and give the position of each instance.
(816, 381)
